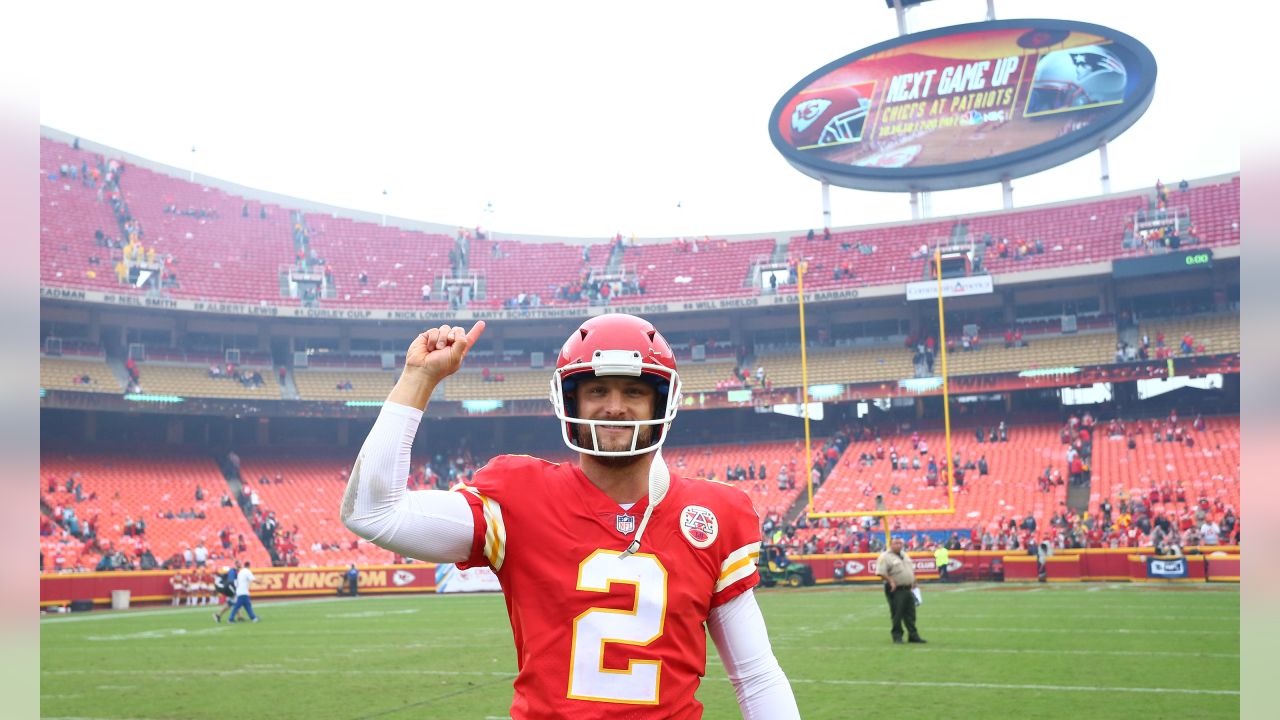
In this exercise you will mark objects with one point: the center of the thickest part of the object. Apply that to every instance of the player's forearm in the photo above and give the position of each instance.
(381, 471)
(413, 389)
(738, 631)
(430, 525)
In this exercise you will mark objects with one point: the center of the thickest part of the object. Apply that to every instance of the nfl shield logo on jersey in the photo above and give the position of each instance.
(626, 524)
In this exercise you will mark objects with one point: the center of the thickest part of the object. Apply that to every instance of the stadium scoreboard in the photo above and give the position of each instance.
(964, 105)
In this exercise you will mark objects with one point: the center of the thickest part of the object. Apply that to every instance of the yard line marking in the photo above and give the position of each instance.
(265, 602)
(1110, 615)
(1000, 686)
(808, 681)
(1018, 651)
(1078, 631)
(282, 671)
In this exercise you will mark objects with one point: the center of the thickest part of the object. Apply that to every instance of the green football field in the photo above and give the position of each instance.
(995, 651)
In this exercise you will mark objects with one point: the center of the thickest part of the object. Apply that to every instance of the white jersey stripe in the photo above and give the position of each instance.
(495, 531)
(740, 563)
(733, 577)
(733, 562)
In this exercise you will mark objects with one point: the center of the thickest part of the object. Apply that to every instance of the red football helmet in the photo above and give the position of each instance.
(828, 117)
(616, 344)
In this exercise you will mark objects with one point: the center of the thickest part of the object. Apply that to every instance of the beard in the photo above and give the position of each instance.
(609, 442)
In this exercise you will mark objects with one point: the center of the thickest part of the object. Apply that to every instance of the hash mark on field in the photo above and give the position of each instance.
(372, 613)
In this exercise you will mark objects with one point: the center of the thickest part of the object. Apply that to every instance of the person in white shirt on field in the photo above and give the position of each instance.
(244, 579)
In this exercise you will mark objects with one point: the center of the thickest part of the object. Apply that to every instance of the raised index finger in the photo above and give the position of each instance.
(475, 332)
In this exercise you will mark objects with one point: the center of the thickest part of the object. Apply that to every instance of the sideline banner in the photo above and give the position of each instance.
(449, 579)
(153, 585)
(1166, 568)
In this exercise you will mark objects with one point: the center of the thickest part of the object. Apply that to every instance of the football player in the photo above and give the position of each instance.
(226, 587)
(613, 569)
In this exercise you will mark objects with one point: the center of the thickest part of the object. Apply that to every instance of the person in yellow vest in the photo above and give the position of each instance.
(899, 579)
(941, 556)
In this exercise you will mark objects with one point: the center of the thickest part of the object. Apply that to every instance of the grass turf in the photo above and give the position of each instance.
(1101, 651)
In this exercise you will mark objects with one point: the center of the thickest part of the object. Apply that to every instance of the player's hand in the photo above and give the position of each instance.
(438, 353)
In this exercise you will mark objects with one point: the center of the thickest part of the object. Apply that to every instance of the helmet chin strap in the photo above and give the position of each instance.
(659, 481)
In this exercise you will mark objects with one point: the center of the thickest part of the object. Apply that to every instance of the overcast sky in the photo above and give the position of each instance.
(576, 119)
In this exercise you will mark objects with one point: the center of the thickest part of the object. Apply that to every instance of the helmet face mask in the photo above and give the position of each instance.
(615, 346)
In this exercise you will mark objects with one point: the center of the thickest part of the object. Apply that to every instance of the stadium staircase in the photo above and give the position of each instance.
(1078, 497)
(616, 254)
(780, 251)
(235, 482)
(288, 389)
(118, 370)
(115, 356)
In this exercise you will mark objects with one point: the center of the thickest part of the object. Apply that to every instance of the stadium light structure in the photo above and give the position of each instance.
(950, 509)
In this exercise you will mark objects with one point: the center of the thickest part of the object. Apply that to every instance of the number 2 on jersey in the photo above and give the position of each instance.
(595, 628)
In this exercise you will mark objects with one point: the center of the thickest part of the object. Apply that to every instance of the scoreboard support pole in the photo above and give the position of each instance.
(826, 205)
(1106, 167)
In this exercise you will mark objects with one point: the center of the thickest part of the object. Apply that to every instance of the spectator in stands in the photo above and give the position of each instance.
(1209, 532)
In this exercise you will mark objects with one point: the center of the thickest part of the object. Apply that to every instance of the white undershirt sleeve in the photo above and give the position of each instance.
(738, 631)
(431, 525)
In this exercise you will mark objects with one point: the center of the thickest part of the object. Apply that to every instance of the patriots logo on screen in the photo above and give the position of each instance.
(626, 524)
(806, 112)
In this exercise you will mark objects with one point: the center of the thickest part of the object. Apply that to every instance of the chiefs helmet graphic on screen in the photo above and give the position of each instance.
(831, 116)
(1084, 76)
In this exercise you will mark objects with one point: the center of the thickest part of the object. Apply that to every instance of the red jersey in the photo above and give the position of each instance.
(598, 636)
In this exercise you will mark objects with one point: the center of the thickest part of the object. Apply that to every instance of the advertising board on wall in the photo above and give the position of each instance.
(951, 287)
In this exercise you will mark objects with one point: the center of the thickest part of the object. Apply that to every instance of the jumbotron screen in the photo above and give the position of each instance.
(965, 105)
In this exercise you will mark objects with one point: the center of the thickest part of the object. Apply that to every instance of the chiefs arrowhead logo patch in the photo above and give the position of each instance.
(699, 526)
